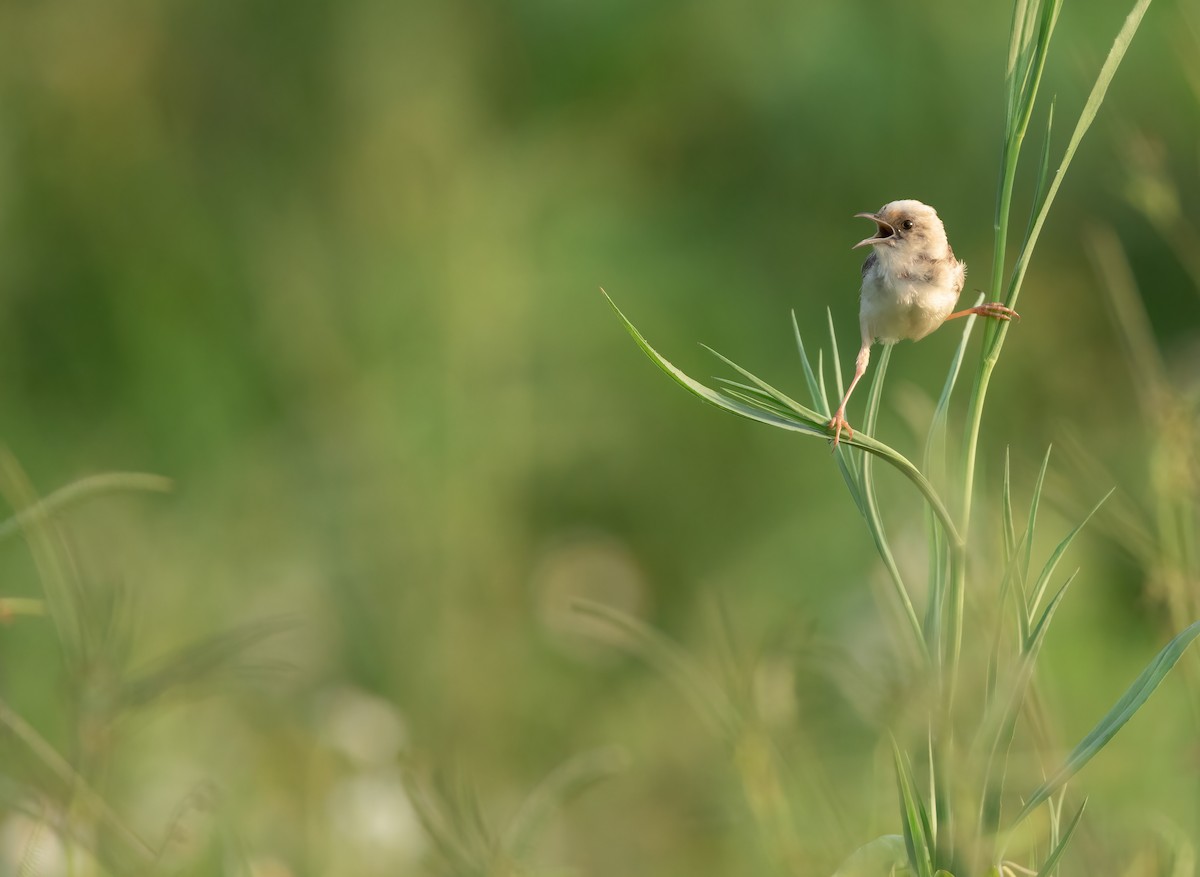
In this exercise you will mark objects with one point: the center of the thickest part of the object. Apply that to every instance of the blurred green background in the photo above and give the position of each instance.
(334, 269)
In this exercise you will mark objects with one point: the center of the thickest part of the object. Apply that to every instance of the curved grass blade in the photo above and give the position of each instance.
(672, 662)
(77, 491)
(1124, 709)
(564, 783)
(804, 421)
(1050, 866)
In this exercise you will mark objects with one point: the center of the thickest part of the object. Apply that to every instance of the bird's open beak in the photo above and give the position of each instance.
(885, 232)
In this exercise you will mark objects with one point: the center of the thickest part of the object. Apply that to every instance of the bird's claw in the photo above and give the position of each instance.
(837, 424)
(998, 311)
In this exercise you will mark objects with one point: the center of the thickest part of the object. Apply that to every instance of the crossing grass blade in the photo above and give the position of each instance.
(918, 836)
(802, 420)
(1124, 709)
(1050, 866)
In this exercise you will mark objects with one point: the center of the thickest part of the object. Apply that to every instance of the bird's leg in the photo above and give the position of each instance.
(993, 309)
(838, 421)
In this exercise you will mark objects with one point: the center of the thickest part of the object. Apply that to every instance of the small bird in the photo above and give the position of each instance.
(910, 284)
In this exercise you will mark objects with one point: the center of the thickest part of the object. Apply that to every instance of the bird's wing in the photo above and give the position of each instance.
(960, 269)
(870, 263)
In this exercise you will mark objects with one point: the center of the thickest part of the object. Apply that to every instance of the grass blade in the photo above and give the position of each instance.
(1031, 523)
(918, 838)
(1039, 589)
(814, 425)
(1115, 55)
(816, 388)
(1050, 866)
(1124, 709)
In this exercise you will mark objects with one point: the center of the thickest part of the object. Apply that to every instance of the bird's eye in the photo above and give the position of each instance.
(907, 225)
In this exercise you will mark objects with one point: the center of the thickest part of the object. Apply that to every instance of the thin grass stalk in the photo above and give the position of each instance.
(871, 508)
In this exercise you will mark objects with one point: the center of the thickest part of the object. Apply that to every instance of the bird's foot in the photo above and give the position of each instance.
(997, 311)
(837, 425)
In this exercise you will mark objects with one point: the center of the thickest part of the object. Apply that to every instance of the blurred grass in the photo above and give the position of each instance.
(333, 270)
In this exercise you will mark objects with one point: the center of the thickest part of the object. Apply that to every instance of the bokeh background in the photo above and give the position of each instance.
(334, 269)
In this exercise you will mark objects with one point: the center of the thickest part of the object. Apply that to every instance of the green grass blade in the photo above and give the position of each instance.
(1004, 722)
(814, 426)
(1031, 523)
(1050, 866)
(870, 508)
(918, 838)
(803, 411)
(816, 389)
(1115, 55)
(1010, 530)
(712, 396)
(837, 359)
(1039, 589)
(1124, 709)
(935, 441)
(1039, 186)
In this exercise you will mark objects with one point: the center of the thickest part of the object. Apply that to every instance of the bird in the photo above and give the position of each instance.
(910, 284)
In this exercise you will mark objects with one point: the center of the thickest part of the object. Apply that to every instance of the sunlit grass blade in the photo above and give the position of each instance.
(802, 411)
(1050, 866)
(918, 836)
(1124, 709)
(1039, 589)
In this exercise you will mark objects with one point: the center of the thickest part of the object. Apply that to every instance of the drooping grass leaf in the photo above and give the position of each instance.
(1124, 709)
(78, 491)
(804, 421)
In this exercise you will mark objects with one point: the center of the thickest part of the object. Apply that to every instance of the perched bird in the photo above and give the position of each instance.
(910, 284)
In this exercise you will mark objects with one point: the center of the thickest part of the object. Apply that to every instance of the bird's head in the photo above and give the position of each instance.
(907, 226)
